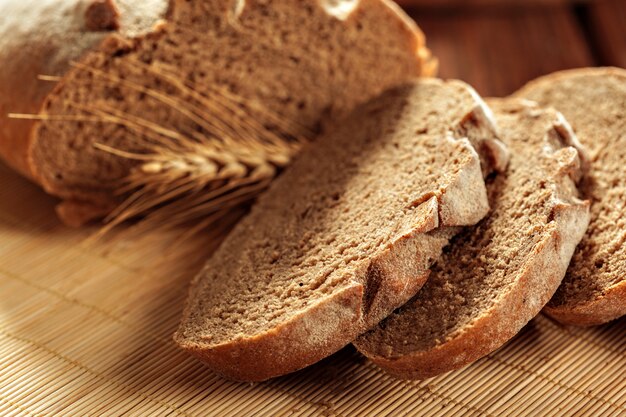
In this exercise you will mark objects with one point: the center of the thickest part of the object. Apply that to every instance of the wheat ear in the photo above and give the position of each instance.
(193, 177)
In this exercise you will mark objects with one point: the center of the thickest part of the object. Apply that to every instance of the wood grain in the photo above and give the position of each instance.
(498, 52)
(607, 23)
(442, 4)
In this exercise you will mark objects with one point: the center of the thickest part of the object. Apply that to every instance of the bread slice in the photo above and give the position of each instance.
(495, 277)
(346, 235)
(43, 37)
(594, 101)
(157, 69)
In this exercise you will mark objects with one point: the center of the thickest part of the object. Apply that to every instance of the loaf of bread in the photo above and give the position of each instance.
(497, 276)
(346, 235)
(43, 37)
(127, 74)
(594, 101)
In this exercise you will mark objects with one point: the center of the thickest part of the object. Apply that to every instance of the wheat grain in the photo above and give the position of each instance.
(188, 174)
(173, 189)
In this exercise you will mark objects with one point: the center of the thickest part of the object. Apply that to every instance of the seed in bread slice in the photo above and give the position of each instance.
(346, 235)
(495, 277)
(594, 101)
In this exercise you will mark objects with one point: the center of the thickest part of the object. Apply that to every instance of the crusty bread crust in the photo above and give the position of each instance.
(247, 359)
(42, 38)
(600, 310)
(544, 80)
(537, 280)
(375, 286)
(611, 303)
(304, 340)
(55, 34)
(46, 38)
(25, 55)
(429, 63)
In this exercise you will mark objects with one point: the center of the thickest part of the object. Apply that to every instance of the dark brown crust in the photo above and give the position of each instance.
(246, 359)
(595, 71)
(610, 306)
(612, 303)
(539, 278)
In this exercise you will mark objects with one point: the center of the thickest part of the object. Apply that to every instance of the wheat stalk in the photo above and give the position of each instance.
(179, 187)
(190, 175)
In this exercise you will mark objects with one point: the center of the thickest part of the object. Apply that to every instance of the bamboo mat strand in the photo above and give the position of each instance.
(86, 330)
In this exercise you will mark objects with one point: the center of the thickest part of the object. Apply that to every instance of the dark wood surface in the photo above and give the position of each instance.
(607, 21)
(498, 49)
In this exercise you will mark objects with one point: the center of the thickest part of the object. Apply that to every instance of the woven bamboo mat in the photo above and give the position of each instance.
(87, 331)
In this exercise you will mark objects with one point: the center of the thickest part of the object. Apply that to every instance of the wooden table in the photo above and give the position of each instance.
(498, 48)
(85, 329)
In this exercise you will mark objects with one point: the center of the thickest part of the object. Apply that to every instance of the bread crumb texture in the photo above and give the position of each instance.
(594, 101)
(485, 287)
(298, 62)
(358, 213)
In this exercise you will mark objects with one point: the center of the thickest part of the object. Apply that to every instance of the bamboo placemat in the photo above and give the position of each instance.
(87, 331)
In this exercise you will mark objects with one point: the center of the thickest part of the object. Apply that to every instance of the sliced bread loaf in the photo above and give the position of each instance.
(495, 277)
(594, 101)
(346, 235)
(172, 71)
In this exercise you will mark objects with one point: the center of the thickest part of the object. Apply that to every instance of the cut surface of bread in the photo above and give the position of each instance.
(346, 235)
(495, 277)
(594, 101)
(209, 70)
(43, 37)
